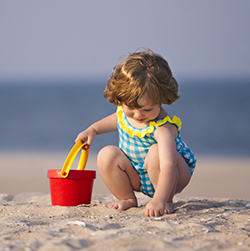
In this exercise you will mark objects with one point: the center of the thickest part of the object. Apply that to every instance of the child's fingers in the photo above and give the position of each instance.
(81, 136)
(77, 138)
(90, 139)
(85, 137)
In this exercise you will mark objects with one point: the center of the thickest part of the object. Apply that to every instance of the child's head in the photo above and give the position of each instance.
(142, 72)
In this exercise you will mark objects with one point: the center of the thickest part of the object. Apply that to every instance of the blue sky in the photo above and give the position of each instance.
(81, 39)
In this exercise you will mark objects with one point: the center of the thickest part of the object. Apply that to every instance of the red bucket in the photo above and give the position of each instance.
(72, 187)
(74, 190)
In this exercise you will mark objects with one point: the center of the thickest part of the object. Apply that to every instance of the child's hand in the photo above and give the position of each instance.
(156, 208)
(88, 136)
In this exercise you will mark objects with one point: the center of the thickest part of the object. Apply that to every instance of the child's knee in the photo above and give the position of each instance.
(106, 151)
(105, 156)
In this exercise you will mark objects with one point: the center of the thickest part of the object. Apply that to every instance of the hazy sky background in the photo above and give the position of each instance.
(80, 39)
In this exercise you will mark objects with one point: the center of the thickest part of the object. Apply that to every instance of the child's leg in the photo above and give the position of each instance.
(182, 174)
(120, 177)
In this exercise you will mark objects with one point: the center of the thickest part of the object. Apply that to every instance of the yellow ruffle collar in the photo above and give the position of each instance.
(149, 129)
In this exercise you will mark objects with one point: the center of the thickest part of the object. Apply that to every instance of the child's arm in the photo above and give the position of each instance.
(108, 124)
(165, 136)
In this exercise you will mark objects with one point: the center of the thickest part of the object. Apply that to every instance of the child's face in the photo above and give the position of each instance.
(148, 111)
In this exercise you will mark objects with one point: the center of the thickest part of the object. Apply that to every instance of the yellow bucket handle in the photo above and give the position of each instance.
(71, 157)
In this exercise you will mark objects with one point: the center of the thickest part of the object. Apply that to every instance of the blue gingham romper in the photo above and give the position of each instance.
(135, 143)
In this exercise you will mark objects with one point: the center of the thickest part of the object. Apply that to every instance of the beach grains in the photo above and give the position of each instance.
(29, 222)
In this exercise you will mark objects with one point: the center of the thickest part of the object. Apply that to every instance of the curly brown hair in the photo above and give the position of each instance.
(142, 72)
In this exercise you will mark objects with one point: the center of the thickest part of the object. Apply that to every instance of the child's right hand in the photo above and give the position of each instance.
(86, 136)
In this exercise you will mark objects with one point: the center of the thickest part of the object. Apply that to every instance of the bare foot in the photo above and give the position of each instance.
(169, 208)
(123, 204)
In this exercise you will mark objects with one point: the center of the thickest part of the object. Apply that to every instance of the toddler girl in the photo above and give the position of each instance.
(151, 156)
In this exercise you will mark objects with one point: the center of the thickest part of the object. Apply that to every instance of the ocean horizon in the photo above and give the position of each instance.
(41, 116)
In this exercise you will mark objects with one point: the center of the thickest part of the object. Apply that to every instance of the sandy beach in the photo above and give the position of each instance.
(212, 213)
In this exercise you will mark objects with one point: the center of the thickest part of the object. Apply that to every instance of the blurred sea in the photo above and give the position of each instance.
(48, 116)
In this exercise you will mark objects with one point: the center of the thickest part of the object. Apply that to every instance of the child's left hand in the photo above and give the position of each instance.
(156, 208)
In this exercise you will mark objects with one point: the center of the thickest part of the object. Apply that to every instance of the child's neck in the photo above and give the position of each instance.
(137, 125)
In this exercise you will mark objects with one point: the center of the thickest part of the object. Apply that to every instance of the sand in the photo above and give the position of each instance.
(29, 222)
(212, 213)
